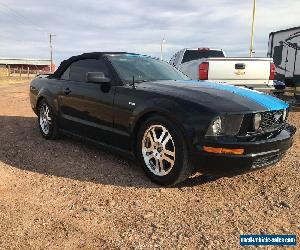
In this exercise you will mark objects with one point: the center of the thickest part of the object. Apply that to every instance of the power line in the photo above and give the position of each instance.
(22, 17)
(7, 38)
(10, 38)
(14, 18)
(17, 21)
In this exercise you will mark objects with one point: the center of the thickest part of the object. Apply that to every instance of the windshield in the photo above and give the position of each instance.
(143, 68)
(190, 55)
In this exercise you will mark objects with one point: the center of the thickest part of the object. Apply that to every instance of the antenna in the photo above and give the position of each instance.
(133, 84)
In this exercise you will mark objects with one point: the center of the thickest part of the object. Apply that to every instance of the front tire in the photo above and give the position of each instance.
(47, 121)
(162, 151)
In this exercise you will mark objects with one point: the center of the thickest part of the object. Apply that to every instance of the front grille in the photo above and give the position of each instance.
(267, 160)
(271, 120)
(272, 123)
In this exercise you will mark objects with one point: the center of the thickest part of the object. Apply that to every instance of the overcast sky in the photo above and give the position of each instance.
(138, 26)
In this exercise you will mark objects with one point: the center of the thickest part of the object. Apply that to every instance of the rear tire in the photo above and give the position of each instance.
(47, 121)
(162, 151)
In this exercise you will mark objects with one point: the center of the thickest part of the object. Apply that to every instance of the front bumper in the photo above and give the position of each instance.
(257, 154)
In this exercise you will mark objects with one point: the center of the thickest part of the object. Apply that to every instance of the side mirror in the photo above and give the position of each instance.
(97, 77)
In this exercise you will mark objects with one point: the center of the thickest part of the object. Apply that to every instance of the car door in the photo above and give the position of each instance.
(86, 109)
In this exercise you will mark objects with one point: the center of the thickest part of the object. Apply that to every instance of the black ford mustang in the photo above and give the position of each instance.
(146, 108)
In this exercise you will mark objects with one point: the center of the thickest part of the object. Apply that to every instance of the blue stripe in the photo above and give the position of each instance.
(267, 101)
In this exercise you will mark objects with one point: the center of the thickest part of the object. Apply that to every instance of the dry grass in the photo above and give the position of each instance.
(13, 79)
(5, 79)
(3, 72)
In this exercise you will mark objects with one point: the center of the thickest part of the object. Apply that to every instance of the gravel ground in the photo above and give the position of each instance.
(66, 194)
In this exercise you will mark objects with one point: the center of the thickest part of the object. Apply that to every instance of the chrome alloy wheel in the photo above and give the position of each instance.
(45, 119)
(158, 150)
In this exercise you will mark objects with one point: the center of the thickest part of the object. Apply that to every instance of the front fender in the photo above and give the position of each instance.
(192, 119)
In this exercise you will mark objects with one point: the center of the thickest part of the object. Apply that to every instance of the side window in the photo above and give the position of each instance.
(66, 74)
(79, 69)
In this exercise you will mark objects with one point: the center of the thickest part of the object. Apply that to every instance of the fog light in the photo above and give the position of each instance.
(284, 115)
(257, 121)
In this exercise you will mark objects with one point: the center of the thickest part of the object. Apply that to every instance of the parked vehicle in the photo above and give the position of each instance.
(212, 65)
(283, 48)
(147, 109)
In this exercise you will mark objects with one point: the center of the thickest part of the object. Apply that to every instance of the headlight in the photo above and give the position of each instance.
(215, 127)
(226, 125)
(257, 121)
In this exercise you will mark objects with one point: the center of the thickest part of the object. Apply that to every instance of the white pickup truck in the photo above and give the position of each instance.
(212, 65)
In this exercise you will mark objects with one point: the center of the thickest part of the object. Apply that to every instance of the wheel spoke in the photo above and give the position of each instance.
(148, 150)
(149, 136)
(46, 112)
(165, 141)
(153, 135)
(162, 136)
(157, 165)
(169, 153)
(168, 159)
(150, 156)
(162, 170)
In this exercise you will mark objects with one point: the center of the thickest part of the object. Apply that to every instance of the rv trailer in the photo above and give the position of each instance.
(284, 48)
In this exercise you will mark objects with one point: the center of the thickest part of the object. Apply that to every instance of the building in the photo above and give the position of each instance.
(26, 66)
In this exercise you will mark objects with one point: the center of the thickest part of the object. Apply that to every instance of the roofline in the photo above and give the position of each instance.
(88, 55)
(203, 47)
(289, 29)
(24, 59)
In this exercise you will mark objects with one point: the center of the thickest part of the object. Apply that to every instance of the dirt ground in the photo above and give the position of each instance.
(66, 194)
(13, 79)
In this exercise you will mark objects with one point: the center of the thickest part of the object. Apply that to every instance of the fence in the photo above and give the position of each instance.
(22, 71)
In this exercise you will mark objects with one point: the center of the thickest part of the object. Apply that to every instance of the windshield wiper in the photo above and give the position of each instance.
(139, 81)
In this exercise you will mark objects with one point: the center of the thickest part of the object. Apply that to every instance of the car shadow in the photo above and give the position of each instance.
(23, 147)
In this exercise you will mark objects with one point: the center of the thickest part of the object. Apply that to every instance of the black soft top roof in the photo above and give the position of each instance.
(92, 55)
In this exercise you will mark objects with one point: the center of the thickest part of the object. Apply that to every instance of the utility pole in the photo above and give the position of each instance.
(51, 52)
(252, 30)
(161, 48)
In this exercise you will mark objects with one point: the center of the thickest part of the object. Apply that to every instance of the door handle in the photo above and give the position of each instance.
(67, 91)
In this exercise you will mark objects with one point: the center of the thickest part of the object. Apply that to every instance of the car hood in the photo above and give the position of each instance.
(218, 97)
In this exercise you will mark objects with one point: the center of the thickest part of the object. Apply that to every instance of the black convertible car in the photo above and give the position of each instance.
(146, 108)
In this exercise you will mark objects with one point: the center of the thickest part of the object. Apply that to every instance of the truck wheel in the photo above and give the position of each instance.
(47, 120)
(162, 151)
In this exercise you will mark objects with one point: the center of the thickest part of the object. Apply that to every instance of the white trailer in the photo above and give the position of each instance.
(284, 46)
